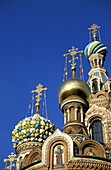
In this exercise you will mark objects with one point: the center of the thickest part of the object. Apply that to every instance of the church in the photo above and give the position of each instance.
(85, 140)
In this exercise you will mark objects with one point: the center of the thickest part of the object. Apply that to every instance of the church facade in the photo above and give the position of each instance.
(85, 140)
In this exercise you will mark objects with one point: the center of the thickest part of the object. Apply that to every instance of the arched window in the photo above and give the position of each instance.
(34, 156)
(97, 132)
(95, 86)
(96, 62)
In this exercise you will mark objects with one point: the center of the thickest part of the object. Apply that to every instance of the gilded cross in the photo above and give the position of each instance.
(11, 159)
(94, 30)
(38, 90)
(73, 52)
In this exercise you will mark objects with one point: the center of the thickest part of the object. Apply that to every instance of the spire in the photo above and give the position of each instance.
(94, 32)
(38, 90)
(73, 52)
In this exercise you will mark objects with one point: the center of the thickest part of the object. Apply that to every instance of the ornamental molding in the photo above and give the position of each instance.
(96, 55)
(88, 163)
(72, 99)
(100, 99)
(94, 111)
(95, 107)
(28, 145)
(103, 70)
(78, 162)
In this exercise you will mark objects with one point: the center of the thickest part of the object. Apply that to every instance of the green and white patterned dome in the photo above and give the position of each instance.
(95, 47)
(34, 128)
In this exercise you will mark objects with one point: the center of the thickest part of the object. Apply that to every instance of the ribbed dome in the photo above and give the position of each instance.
(95, 47)
(74, 87)
(35, 128)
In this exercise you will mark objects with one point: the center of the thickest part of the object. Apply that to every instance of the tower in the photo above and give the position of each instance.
(98, 117)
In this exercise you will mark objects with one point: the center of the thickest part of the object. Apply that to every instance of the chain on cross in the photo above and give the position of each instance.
(11, 159)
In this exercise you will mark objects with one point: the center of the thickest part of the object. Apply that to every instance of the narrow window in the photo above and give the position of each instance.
(100, 62)
(96, 62)
(97, 132)
(95, 86)
(76, 150)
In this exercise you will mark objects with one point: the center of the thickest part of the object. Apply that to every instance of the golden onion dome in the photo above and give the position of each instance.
(74, 87)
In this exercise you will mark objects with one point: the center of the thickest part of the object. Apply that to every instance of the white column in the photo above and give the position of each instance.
(75, 113)
(109, 87)
(65, 118)
(97, 61)
(105, 133)
(81, 115)
(68, 113)
(91, 86)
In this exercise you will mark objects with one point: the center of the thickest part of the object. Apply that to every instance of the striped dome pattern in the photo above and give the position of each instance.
(35, 128)
(95, 47)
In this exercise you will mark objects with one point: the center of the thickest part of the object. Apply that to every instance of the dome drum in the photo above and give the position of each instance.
(71, 101)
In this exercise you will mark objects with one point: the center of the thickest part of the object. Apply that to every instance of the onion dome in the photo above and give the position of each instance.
(95, 47)
(74, 87)
(34, 128)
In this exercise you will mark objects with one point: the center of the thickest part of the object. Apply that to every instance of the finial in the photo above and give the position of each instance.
(11, 159)
(73, 52)
(38, 90)
(94, 32)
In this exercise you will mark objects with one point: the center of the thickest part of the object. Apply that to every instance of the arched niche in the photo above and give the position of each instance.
(57, 139)
(21, 161)
(34, 156)
(91, 148)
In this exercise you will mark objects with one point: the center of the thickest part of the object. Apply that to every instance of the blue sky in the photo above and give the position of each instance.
(34, 35)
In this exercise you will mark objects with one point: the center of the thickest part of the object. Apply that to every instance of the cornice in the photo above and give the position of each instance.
(28, 145)
(100, 99)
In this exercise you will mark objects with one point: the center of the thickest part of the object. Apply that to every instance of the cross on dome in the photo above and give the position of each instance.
(73, 52)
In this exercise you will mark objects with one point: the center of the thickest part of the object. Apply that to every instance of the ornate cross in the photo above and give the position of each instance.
(94, 30)
(11, 159)
(73, 52)
(38, 90)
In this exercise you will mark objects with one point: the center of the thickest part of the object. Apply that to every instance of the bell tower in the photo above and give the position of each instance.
(97, 118)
